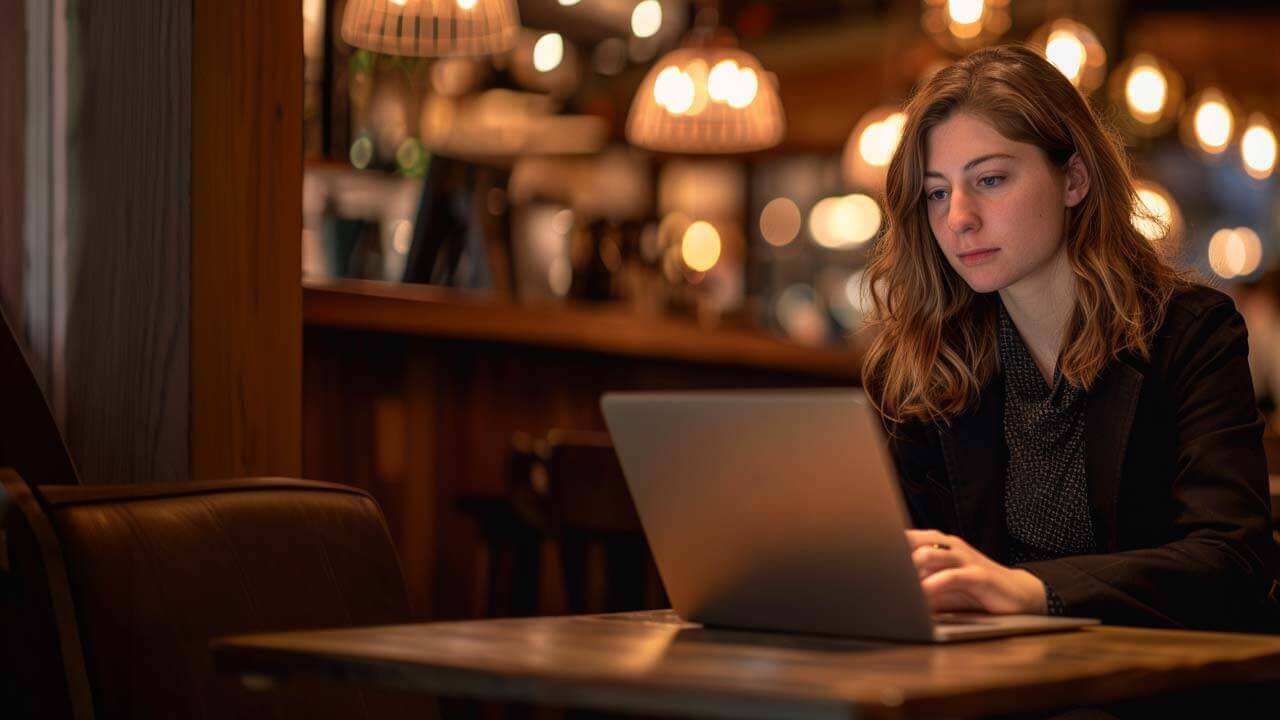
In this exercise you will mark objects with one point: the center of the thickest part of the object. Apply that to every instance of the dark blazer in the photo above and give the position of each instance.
(1176, 473)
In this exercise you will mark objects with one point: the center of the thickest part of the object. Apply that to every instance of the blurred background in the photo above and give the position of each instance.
(407, 244)
(664, 193)
(723, 161)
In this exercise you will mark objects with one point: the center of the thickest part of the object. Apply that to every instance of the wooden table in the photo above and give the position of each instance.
(652, 662)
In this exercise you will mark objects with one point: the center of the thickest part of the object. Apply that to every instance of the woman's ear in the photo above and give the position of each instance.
(1077, 181)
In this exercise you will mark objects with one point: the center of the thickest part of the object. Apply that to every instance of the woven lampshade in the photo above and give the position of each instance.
(706, 100)
(432, 28)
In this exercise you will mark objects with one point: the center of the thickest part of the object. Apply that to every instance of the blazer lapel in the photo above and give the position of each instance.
(974, 450)
(1108, 420)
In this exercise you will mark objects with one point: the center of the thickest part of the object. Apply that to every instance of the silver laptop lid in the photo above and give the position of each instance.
(771, 509)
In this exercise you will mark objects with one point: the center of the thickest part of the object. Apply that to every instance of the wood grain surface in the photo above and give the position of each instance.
(129, 248)
(653, 662)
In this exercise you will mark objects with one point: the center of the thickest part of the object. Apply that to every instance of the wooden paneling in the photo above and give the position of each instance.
(246, 221)
(184, 327)
(128, 330)
(420, 420)
(13, 109)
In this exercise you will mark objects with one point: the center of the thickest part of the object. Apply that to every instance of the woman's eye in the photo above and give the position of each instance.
(936, 195)
(991, 180)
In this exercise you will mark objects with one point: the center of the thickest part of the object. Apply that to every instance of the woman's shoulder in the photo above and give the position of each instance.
(1197, 315)
(1192, 301)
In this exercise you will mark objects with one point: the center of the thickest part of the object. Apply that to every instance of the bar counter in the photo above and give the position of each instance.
(415, 393)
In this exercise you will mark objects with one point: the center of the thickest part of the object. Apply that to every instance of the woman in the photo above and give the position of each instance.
(1072, 420)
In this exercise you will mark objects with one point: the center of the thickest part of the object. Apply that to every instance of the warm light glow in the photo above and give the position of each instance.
(697, 72)
(1258, 148)
(1067, 53)
(569, 3)
(780, 221)
(1213, 124)
(1152, 215)
(965, 12)
(674, 90)
(402, 236)
(706, 100)
(700, 246)
(1146, 90)
(548, 52)
(745, 90)
(856, 292)
(646, 18)
(560, 276)
(562, 221)
(721, 80)
(464, 4)
(1234, 252)
(880, 140)
(732, 85)
(840, 223)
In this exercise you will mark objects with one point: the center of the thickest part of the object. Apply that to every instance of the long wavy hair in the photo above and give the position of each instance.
(935, 348)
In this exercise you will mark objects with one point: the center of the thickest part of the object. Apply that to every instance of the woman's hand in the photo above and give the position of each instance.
(956, 577)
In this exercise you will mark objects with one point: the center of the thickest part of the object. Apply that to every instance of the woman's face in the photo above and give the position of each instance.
(996, 206)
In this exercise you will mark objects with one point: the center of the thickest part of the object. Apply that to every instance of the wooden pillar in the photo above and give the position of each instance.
(246, 229)
(183, 346)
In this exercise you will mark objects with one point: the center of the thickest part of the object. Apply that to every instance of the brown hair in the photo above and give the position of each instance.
(936, 343)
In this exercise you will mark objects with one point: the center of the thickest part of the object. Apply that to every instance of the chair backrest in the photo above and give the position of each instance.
(29, 438)
(155, 572)
(586, 487)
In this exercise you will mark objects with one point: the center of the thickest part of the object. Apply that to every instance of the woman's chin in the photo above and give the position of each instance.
(984, 282)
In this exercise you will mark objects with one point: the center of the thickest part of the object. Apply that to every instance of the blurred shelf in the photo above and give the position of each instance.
(430, 311)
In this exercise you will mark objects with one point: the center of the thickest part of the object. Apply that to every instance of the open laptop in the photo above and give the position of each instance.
(780, 510)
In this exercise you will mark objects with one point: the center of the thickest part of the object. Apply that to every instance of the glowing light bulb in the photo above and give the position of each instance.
(1258, 148)
(700, 246)
(548, 52)
(965, 12)
(722, 80)
(880, 140)
(1213, 125)
(646, 18)
(1067, 53)
(464, 4)
(745, 89)
(1152, 219)
(1146, 90)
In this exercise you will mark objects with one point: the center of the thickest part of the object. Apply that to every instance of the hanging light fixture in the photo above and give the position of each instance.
(1150, 91)
(1209, 122)
(962, 25)
(1074, 49)
(1258, 147)
(1156, 216)
(706, 97)
(432, 28)
(870, 147)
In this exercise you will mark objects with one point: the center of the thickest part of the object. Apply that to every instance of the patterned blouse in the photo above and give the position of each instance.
(1046, 498)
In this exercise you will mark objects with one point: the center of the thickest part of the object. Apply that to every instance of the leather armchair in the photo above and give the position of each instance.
(110, 595)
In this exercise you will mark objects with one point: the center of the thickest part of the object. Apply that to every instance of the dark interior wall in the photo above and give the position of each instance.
(13, 88)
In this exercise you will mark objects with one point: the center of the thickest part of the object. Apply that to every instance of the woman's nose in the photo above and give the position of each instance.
(961, 215)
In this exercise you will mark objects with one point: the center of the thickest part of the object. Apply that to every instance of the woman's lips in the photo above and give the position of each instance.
(979, 257)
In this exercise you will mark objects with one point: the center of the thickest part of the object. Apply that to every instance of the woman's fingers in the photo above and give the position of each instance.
(958, 588)
(919, 538)
(929, 560)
